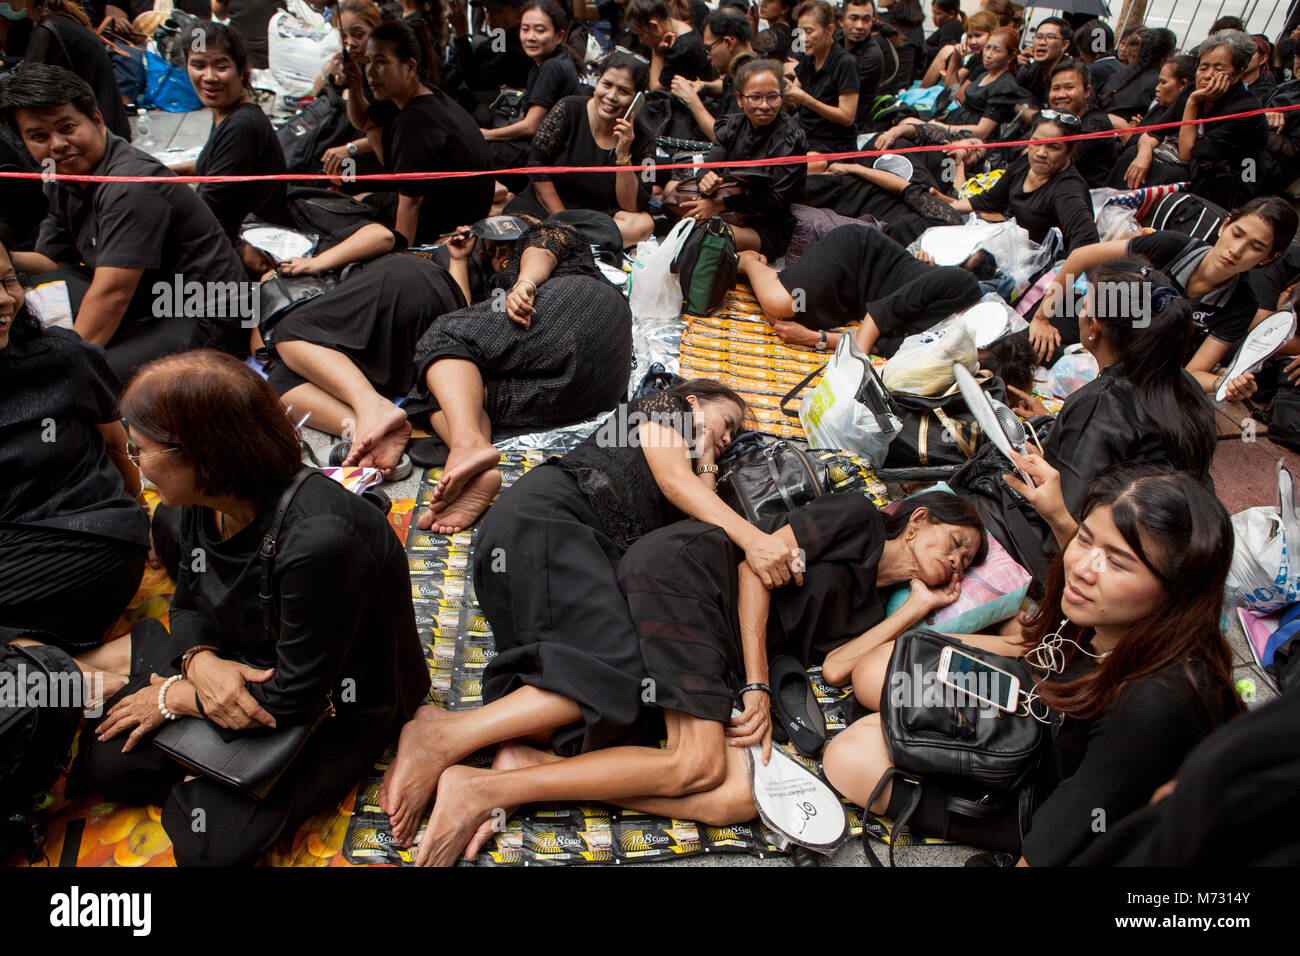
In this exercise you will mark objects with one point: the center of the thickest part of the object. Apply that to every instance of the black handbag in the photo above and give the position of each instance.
(938, 431)
(508, 108)
(278, 295)
(762, 477)
(248, 760)
(954, 742)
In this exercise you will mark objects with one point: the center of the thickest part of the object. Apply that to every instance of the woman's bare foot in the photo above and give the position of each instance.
(511, 755)
(387, 452)
(374, 422)
(466, 798)
(410, 780)
(463, 463)
(450, 518)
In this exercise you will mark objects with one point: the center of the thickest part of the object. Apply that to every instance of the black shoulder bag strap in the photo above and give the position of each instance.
(899, 822)
(270, 542)
(789, 396)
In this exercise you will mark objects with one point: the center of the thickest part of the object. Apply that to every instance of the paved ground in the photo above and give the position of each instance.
(1244, 473)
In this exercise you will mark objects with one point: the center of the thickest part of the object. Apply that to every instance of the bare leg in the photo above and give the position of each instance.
(732, 802)
(773, 298)
(437, 739)
(328, 414)
(470, 472)
(855, 760)
(382, 428)
(867, 335)
(635, 226)
(694, 761)
(107, 668)
(870, 674)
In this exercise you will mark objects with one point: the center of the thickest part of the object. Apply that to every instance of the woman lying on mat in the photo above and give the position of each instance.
(568, 666)
(758, 205)
(857, 273)
(552, 346)
(214, 440)
(345, 354)
(701, 621)
(1134, 671)
(72, 540)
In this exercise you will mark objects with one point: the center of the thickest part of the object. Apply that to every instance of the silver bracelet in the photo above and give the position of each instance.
(162, 697)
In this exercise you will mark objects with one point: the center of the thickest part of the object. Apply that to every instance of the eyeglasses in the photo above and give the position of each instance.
(760, 99)
(1058, 116)
(708, 47)
(133, 452)
(15, 281)
(1048, 36)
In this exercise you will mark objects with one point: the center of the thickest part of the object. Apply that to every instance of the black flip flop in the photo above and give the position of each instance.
(798, 717)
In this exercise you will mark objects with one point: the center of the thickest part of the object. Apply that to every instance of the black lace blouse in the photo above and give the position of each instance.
(612, 470)
(570, 249)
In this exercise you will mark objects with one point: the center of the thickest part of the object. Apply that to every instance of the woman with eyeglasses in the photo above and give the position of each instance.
(1130, 672)
(1041, 188)
(72, 540)
(758, 205)
(216, 444)
(594, 131)
(1215, 151)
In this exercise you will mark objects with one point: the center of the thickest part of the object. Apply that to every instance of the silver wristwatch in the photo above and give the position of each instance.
(821, 343)
(352, 149)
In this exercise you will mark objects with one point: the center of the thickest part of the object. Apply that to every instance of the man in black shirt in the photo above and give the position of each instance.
(165, 277)
(1051, 41)
(727, 37)
(876, 56)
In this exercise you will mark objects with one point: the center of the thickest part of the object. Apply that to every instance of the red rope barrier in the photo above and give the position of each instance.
(562, 170)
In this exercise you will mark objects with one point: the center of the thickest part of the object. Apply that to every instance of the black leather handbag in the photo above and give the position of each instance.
(937, 734)
(763, 477)
(279, 294)
(248, 760)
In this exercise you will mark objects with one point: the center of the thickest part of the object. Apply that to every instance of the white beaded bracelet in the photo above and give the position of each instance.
(162, 697)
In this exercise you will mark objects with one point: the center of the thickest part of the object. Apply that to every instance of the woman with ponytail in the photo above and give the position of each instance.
(1130, 670)
(1143, 405)
(415, 127)
(64, 37)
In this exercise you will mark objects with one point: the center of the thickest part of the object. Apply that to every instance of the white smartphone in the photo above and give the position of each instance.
(983, 682)
(635, 108)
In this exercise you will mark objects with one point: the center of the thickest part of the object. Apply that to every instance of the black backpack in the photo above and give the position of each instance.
(35, 737)
(1189, 214)
(323, 124)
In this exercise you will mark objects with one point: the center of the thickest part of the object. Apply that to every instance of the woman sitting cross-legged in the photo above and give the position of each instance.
(568, 665)
(215, 442)
(759, 206)
(703, 622)
(1131, 670)
(552, 346)
(344, 355)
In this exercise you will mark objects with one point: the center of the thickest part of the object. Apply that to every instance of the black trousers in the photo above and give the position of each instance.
(210, 824)
(68, 586)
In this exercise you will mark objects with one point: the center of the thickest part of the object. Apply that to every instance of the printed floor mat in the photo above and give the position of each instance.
(91, 831)
(458, 645)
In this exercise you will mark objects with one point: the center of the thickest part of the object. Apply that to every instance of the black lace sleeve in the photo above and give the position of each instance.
(667, 409)
(571, 251)
(550, 138)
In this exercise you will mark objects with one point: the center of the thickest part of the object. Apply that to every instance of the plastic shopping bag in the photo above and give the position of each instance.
(850, 408)
(923, 363)
(299, 45)
(1265, 572)
(655, 294)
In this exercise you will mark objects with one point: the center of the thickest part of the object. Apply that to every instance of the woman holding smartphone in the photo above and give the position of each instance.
(1131, 670)
(596, 130)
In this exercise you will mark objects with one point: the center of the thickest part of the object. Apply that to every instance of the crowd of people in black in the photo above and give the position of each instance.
(621, 563)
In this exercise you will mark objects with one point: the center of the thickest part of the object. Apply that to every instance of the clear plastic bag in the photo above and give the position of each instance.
(655, 294)
(1265, 571)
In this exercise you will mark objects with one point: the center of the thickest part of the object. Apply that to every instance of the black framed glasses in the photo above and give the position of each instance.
(15, 282)
(708, 47)
(759, 99)
(1060, 116)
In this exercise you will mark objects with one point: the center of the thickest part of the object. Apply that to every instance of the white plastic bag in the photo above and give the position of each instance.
(991, 319)
(850, 408)
(1017, 255)
(923, 363)
(1265, 572)
(655, 294)
(299, 45)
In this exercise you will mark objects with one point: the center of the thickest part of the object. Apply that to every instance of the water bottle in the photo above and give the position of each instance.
(143, 131)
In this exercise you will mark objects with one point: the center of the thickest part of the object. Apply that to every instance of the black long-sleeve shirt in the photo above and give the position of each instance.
(769, 189)
(342, 594)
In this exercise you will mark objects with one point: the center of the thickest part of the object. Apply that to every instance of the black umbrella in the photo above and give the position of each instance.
(1096, 8)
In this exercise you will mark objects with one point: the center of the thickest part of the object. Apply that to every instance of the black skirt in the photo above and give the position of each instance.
(682, 584)
(375, 317)
(545, 577)
(572, 362)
